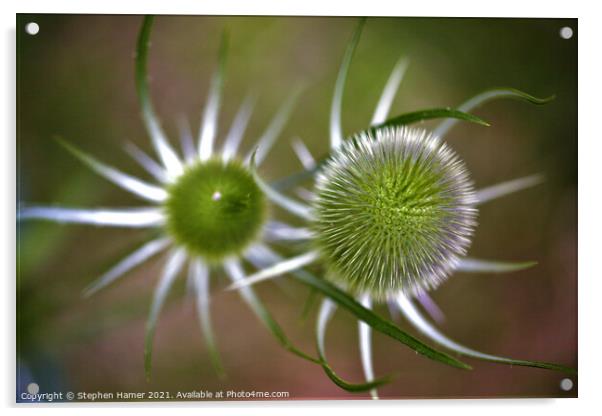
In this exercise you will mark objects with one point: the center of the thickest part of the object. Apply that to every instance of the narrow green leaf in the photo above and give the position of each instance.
(476, 101)
(376, 322)
(403, 119)
(513, 93)
(424, 326)
(487, 96)
(141, 59)
(141, 70)
(310, 301)
(278, 333)
(234, 270)
(421, 115)
(352, 387)
(167, 155)
(215, 357)
(326, 310)
(527, 363)
(336, 130)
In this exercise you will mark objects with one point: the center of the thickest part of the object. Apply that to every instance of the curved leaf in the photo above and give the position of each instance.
(326, 310)
(279, 334)
(233, 269)
(376, 322)
(432, 113)
(444, 127)
(416, 319)
(310, 301)
(336, 130)
(403, 119)
(352, 387)
(168, 156)
(487, 96)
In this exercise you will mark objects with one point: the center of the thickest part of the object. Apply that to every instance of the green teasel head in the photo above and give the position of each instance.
(215, 209)
(394, 210)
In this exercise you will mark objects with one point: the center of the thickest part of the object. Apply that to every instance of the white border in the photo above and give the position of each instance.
(590, 200)
(456, 8)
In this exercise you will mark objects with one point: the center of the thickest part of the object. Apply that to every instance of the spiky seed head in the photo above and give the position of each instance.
(215, 209)
(394, 208)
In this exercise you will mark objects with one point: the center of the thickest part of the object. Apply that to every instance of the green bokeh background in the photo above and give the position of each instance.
(75, 80)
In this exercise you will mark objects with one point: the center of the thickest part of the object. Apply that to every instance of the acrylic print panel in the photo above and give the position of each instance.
(294, 208)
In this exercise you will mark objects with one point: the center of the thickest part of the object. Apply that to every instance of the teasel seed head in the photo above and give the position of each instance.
(394, 210)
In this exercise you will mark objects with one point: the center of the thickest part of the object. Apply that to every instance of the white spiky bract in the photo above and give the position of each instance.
(394, 210)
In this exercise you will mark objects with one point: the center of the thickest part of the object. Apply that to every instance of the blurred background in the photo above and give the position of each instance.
(75, 80)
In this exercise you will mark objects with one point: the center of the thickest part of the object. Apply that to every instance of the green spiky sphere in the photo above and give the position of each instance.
(215, 209)
(394, 209)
